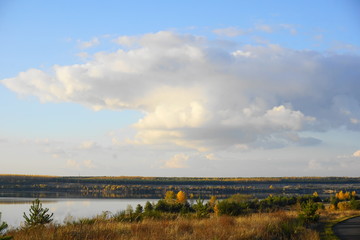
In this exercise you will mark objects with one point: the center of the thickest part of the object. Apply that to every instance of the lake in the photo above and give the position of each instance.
(12, 209)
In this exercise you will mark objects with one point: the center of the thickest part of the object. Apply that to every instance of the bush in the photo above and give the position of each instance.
(273, 203)
(38, 215)
(226, 207)
(344, 206)
(201, 209)
(127, 216)
(355, 204)
(305, 198)
(309, 213)
(238, 198)
(165, 206)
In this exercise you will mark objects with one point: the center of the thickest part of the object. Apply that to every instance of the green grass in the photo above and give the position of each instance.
(328, 233)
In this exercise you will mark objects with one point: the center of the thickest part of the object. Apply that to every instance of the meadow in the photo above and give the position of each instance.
(173, 217)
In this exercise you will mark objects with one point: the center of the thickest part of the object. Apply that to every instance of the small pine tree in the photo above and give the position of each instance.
(38, 215)
(148, 207)
(139, 209)
(129, 210)
(309, 213)
(201, 209)
(3, 227)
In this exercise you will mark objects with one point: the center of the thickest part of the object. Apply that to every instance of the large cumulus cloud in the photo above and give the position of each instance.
(201, 94)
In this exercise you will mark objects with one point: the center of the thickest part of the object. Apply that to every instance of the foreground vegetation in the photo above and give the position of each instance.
(175, 217)
(279, 225)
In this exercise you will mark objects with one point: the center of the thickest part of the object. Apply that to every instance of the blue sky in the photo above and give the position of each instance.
(190, 88)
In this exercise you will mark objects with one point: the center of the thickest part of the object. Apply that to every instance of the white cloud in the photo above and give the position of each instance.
(230, 31)
(285, 118)
(211, 156)
(83, 55)
(319, 37)
(198, 94)
(354, 120)
(87, 145)
(177, 161)
(357, 153)
(70, 163)
(289, 28)
(264, 28)
(314, 165)
(88, 164)
(73, 164)
(235, 31)
(88, 44)
(343, 46)
(241, 53)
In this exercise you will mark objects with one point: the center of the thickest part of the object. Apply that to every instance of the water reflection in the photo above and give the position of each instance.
(12, 209)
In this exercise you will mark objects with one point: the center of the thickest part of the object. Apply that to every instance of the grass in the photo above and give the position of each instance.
(331, 218)
(278, 225)
(165, 220)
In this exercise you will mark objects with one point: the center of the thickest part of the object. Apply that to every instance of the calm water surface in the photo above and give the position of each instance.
(12, 209)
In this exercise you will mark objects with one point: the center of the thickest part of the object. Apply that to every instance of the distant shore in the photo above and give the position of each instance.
(154, 187)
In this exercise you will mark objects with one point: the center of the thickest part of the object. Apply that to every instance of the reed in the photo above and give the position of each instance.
(278, 225)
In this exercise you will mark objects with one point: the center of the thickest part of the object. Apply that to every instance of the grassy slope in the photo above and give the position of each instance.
(279, 225)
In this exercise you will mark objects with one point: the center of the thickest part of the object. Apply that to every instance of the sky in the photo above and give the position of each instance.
(180, 88)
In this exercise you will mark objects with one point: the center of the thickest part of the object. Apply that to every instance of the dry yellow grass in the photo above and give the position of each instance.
(280, 225)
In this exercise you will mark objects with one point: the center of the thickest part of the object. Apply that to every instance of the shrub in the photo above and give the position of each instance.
(38, 215)
(332, 207)
(344, 206)
(305, 198)
(127, 216)
(226, 207)
(162, 206)
(309, 213)
(201, 209)
(273, 203)
(238, 198)
(165, 206)
(355, 204)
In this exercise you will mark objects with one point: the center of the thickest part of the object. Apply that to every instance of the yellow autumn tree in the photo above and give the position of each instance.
(216, 210)
(170, 196)
(212, 201)
(340, 195)
(181, 197)
(344, 195)
(353, 194)
(315, 194)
